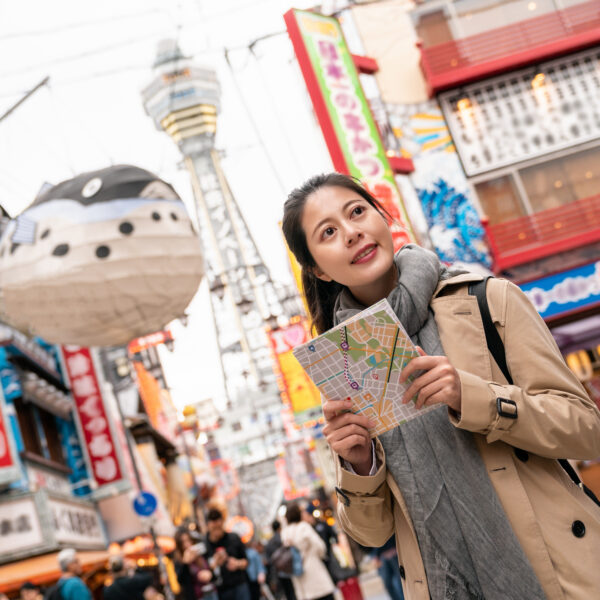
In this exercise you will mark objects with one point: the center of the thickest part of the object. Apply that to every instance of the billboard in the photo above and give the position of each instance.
(297, 390)
(343, 112)
(570, 291)
(98, 435)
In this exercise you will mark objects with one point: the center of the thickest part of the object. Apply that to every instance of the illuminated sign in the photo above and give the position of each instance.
(9, 468)
(153, 339)
(526, 113)
(344, 114)
(565, 292)
(297, 390)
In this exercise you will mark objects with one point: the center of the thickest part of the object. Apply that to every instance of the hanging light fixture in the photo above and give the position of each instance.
(100, 259)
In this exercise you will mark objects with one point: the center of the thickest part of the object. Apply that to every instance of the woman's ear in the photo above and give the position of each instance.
(321, 275)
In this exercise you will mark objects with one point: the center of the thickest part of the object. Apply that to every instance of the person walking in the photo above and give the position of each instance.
(127, 585)
(70, 586)
(194, 575)
(386, 558)
(315, 583)
(473, 490)
(226, 555)
(257, 574)
(283, 584)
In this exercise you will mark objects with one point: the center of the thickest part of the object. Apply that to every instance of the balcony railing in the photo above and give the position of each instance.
(545, 233)
(468, 59)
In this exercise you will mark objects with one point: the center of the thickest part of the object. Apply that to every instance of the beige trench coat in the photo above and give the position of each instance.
(557, 525)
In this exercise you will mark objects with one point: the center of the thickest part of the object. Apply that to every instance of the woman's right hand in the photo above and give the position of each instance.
(348, 434)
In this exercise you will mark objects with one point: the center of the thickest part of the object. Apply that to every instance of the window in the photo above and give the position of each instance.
(39, 431)
(499, 200)
(563, 180)
(547, 185)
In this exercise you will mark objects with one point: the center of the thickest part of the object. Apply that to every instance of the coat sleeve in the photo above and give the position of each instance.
(365, 503)
(547, 410)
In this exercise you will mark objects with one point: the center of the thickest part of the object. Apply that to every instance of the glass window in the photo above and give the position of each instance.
(499, 199)
(562, 180)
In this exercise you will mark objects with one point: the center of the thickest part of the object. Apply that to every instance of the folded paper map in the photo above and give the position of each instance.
(362, 359)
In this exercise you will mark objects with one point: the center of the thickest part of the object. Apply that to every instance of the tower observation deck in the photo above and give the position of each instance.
(183, 99)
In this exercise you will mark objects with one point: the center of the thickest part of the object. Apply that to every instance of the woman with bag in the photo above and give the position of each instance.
(315, 582)
(473, 490)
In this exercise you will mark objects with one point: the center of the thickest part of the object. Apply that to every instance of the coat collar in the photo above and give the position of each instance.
(456, 280)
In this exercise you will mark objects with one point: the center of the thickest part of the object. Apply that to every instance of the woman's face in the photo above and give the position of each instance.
(349, 240)
(186, 541)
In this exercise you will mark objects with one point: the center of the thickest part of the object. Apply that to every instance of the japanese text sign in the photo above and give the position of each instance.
(98, 436)
(343, 112)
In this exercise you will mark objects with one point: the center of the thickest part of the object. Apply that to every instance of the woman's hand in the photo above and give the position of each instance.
(439, 384)
(204, 576)
(348, 434)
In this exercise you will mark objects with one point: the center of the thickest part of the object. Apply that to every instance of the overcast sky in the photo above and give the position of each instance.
(98, 56)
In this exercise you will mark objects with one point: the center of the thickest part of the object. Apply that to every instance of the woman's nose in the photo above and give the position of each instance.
(352, 235)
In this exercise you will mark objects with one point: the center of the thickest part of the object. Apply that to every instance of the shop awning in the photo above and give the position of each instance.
(43, 570)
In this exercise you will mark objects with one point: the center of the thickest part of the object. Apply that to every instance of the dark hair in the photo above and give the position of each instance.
(275, 526)
(293, 514)
(179, 540)
(214, 514)
(29, 586)
(320, 295)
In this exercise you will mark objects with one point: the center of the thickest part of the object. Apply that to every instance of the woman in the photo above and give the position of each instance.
(315, 582)
(193, 573)
(473, 491)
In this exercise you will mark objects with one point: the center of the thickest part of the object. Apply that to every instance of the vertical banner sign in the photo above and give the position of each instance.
(345, 117)
(9, 467)
(297, 390)
(228, 484)
(99, 440)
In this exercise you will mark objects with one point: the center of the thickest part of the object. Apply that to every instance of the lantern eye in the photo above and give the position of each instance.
(60, 250)
(102, 251)
(45, 234)
(126, 228)
(156, 216)
(174, 217)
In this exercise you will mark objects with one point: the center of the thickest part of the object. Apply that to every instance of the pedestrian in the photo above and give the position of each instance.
(127, 584)
(386, 559)
(226, 555)
(193, 572)
(257, 574)
(473, 491)
(277, 581)
(315, 581)
(70, 586)
(30, 591)
(327, 533)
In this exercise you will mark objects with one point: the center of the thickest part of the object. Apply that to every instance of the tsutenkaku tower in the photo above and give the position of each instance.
(184, 100)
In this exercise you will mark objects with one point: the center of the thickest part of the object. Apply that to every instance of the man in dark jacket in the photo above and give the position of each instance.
(281, 583)
(126, 586)
(226, 556)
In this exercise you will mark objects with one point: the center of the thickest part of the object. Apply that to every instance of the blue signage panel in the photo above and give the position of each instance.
(145, 504)
(564, 292)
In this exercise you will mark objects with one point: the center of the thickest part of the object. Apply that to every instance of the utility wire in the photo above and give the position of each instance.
(77, 25)
(254, 125)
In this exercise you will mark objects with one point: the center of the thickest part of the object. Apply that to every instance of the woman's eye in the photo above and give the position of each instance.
(328, 232)
(358, 210)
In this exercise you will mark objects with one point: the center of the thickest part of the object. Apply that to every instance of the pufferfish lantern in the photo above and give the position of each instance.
(99, 259)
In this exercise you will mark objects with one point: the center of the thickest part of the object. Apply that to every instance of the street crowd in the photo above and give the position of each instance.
(297, 562)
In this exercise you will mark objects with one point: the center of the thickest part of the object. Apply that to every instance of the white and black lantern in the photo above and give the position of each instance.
(99, 259)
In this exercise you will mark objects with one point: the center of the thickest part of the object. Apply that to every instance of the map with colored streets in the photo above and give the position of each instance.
(362, 359)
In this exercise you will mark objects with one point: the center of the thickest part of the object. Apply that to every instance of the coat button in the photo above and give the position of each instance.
(578, 529)
(402, 572)
(522, 455)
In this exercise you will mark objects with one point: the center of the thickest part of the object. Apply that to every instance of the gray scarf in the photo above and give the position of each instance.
(468, 546)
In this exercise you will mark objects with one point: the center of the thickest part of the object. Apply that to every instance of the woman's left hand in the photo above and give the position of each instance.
(438, 384)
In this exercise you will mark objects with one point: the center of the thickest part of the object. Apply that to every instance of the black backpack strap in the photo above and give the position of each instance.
(496, 348)
(492, 337)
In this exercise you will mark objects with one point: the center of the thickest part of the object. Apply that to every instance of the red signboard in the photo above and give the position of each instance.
(93, 417)
(6, 459)
(153, 339)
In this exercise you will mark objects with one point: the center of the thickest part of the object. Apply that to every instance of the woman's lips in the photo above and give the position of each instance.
(365, 255)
